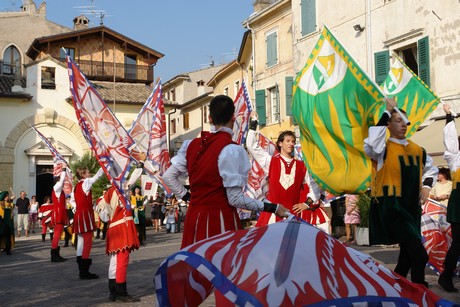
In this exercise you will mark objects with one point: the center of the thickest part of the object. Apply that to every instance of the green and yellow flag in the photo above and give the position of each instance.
(335, 102)
(411, 93)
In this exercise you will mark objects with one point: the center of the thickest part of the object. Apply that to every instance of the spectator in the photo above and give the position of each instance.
(181, 212)
(351, 218)
(137, 203)
(33, 213)
(156, 212)
(442, 188)
(23, 205)
(6, 222)
(170, 220)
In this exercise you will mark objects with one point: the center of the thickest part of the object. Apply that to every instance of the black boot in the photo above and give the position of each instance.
(43, 237)
(112, 290)
(51, 236)
(98, 233)
(55, 257)
(122, 294)
(445, 281)
(84, 269)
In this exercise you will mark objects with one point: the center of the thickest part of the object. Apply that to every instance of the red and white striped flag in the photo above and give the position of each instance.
(289, 263)
(58, 163)
(243, 110)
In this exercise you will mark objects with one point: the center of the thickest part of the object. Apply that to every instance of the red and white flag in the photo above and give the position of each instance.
(149, 133)
(109, 141)
(436, 232)
(257, 185)
(58, 163)
(289, 263)
(243, 110)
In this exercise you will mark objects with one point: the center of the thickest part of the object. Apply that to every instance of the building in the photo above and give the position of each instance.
(423, 33)
(36, 93)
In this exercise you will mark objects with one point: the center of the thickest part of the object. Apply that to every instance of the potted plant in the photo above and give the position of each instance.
(362, 231)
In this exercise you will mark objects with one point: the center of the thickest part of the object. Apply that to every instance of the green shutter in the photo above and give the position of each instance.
(271, 49)
(260, 107)
(382, 65)
(308, 16)
(424, 60)
(289, 83)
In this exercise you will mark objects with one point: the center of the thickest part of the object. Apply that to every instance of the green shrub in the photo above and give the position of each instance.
(364, 205)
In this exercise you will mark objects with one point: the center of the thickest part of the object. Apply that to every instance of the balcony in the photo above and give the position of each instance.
(107, 71)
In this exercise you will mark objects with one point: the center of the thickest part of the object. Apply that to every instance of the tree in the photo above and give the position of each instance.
(89, 161)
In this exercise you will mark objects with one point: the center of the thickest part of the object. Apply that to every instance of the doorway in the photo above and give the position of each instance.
(44, 182)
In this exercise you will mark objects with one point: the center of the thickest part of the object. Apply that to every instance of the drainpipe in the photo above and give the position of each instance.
(253, 55)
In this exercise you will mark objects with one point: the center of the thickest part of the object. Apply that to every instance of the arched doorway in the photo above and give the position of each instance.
(44, 181)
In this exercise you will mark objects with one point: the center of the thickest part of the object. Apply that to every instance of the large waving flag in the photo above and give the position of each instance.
(58, 163)
(290, 263)
(437, 234)
(257, 185)
(149, 132)
(411, 93)
(335, 102)
(243, 110)
(110, 143)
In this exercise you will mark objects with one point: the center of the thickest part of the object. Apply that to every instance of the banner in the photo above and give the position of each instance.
(411, 93)
(334, 103)
(257, 186)
(58, 163)
(289, 263)
(243, 110)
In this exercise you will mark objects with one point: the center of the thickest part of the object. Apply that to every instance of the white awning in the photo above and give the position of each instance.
(432, 139)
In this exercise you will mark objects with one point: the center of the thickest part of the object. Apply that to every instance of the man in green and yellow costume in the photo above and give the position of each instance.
(403, 175)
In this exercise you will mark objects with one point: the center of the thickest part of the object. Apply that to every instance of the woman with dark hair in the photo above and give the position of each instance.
(442, 188)
(6, 222)
(137, 203)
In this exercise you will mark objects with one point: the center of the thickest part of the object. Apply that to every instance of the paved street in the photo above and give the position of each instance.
(28, 278)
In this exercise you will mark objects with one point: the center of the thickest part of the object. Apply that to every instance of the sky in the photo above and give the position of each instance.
(190, 33)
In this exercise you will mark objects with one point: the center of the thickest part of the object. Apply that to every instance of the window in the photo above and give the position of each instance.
(11, 60)
(226, 91)
(416, 56)
(63, 53)
(173, 126)
(237, 87)
(308, 16)
(185, 121)
(273, 105)
(272, 51)
(48, 78)
(173, 94)
(130, 66)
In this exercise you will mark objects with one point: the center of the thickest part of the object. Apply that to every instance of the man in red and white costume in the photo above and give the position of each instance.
(287, 179)
(45, 214)
(60, 218)
(218, 170)
(84, 223)
(121, 238)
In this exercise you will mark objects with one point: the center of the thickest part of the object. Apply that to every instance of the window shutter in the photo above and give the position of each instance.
(271, 49)
(308, 16)
(382, 65)
(424, 60)
(289, 82)
(260, 107)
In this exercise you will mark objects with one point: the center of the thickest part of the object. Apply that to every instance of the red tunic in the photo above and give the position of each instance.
(45, 212)
(121, 233)
(285, 185)
(209, 213)
(59, 209)
(83, 219)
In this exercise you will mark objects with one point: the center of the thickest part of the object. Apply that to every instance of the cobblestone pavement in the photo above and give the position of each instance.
(28, 278)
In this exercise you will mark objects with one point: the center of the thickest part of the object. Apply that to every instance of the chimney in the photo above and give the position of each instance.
(259, 5)
(201, 88)
(80, 23)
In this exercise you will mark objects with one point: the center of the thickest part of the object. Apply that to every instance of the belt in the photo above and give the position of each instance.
(123, 220)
